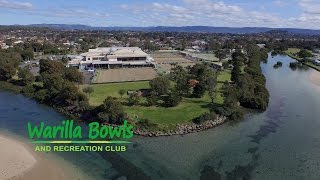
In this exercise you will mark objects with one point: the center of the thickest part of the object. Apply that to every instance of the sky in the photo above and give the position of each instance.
(219, 13)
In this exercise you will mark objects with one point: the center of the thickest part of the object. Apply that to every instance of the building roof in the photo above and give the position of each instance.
(113, 52)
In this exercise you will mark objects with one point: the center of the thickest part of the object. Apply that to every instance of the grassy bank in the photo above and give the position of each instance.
(291, 53)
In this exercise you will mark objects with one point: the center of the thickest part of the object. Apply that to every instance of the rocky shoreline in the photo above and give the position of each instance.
(183, 128)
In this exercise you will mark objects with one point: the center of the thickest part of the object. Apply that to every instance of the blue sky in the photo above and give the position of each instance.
(231, 13)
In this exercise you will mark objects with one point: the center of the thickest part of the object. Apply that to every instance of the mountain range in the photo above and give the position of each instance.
(202, 29)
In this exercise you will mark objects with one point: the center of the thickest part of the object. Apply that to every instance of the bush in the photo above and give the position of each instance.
(294, 65)
(237, 114)
(9, 87)
(152, 98)
(205, 117)
(223, 110)
(278, 64)
(133, 99)
(28, 90)
(88, 90)
(232, 113)
(172, 100)
(41, 95)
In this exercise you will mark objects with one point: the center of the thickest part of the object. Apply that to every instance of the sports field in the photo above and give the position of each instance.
(125, 74)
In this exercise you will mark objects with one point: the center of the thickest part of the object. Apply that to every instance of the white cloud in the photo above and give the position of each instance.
(202, 12)
(310, 16)
(310, 7)
(15, 5)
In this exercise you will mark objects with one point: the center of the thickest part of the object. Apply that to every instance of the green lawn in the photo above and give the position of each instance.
(292, 50)
(209, 57)
(188, 109)
(224, 76)
(184, 112)
(102, 91)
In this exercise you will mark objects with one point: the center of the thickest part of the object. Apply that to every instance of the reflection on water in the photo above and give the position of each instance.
(280, 143)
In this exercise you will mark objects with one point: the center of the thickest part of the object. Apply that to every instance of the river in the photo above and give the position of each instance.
(281, 143)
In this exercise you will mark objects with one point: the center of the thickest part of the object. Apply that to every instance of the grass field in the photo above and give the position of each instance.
(292, 50)
(204, 56)
(183, 113)
(188, 109)
(224, 76)
(102, 91)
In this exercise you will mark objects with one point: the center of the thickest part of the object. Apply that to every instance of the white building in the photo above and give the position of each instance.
(112, 57)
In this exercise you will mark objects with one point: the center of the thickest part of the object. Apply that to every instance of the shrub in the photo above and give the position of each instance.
(172, 100)
(88, 90)
(205, 117)
(278, 64)
(9, 87)
(152, 98)
(293, 65)
(134, 99)
(28, 90)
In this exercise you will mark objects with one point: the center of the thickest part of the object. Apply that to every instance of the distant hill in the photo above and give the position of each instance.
(208, 29)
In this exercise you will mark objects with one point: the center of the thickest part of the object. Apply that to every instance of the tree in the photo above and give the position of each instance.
(41, 95)
(73, 75)
(7, 71)
(152, 98)
(183, 87)
(28, 90)
(111, 111)
(52, 67)
(304, 53)
(121, 92)
(67, 96)
(235, 73)
(199, 90)
(225, 65)
(26, 76)
(52, 82)
(172, 99)
(160, 85)
(179, 75)
(27, 54)
(212, 94)
(221, 54)
(178, 72)
(88, 90)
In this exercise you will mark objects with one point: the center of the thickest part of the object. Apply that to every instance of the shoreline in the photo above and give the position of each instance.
(20, 162)
(183, 129)
(16, 159)
(314, 77)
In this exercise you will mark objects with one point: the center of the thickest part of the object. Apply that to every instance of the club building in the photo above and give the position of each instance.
(112, 57)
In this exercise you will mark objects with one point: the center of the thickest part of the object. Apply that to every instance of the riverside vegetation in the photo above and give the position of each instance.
(58, 87)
